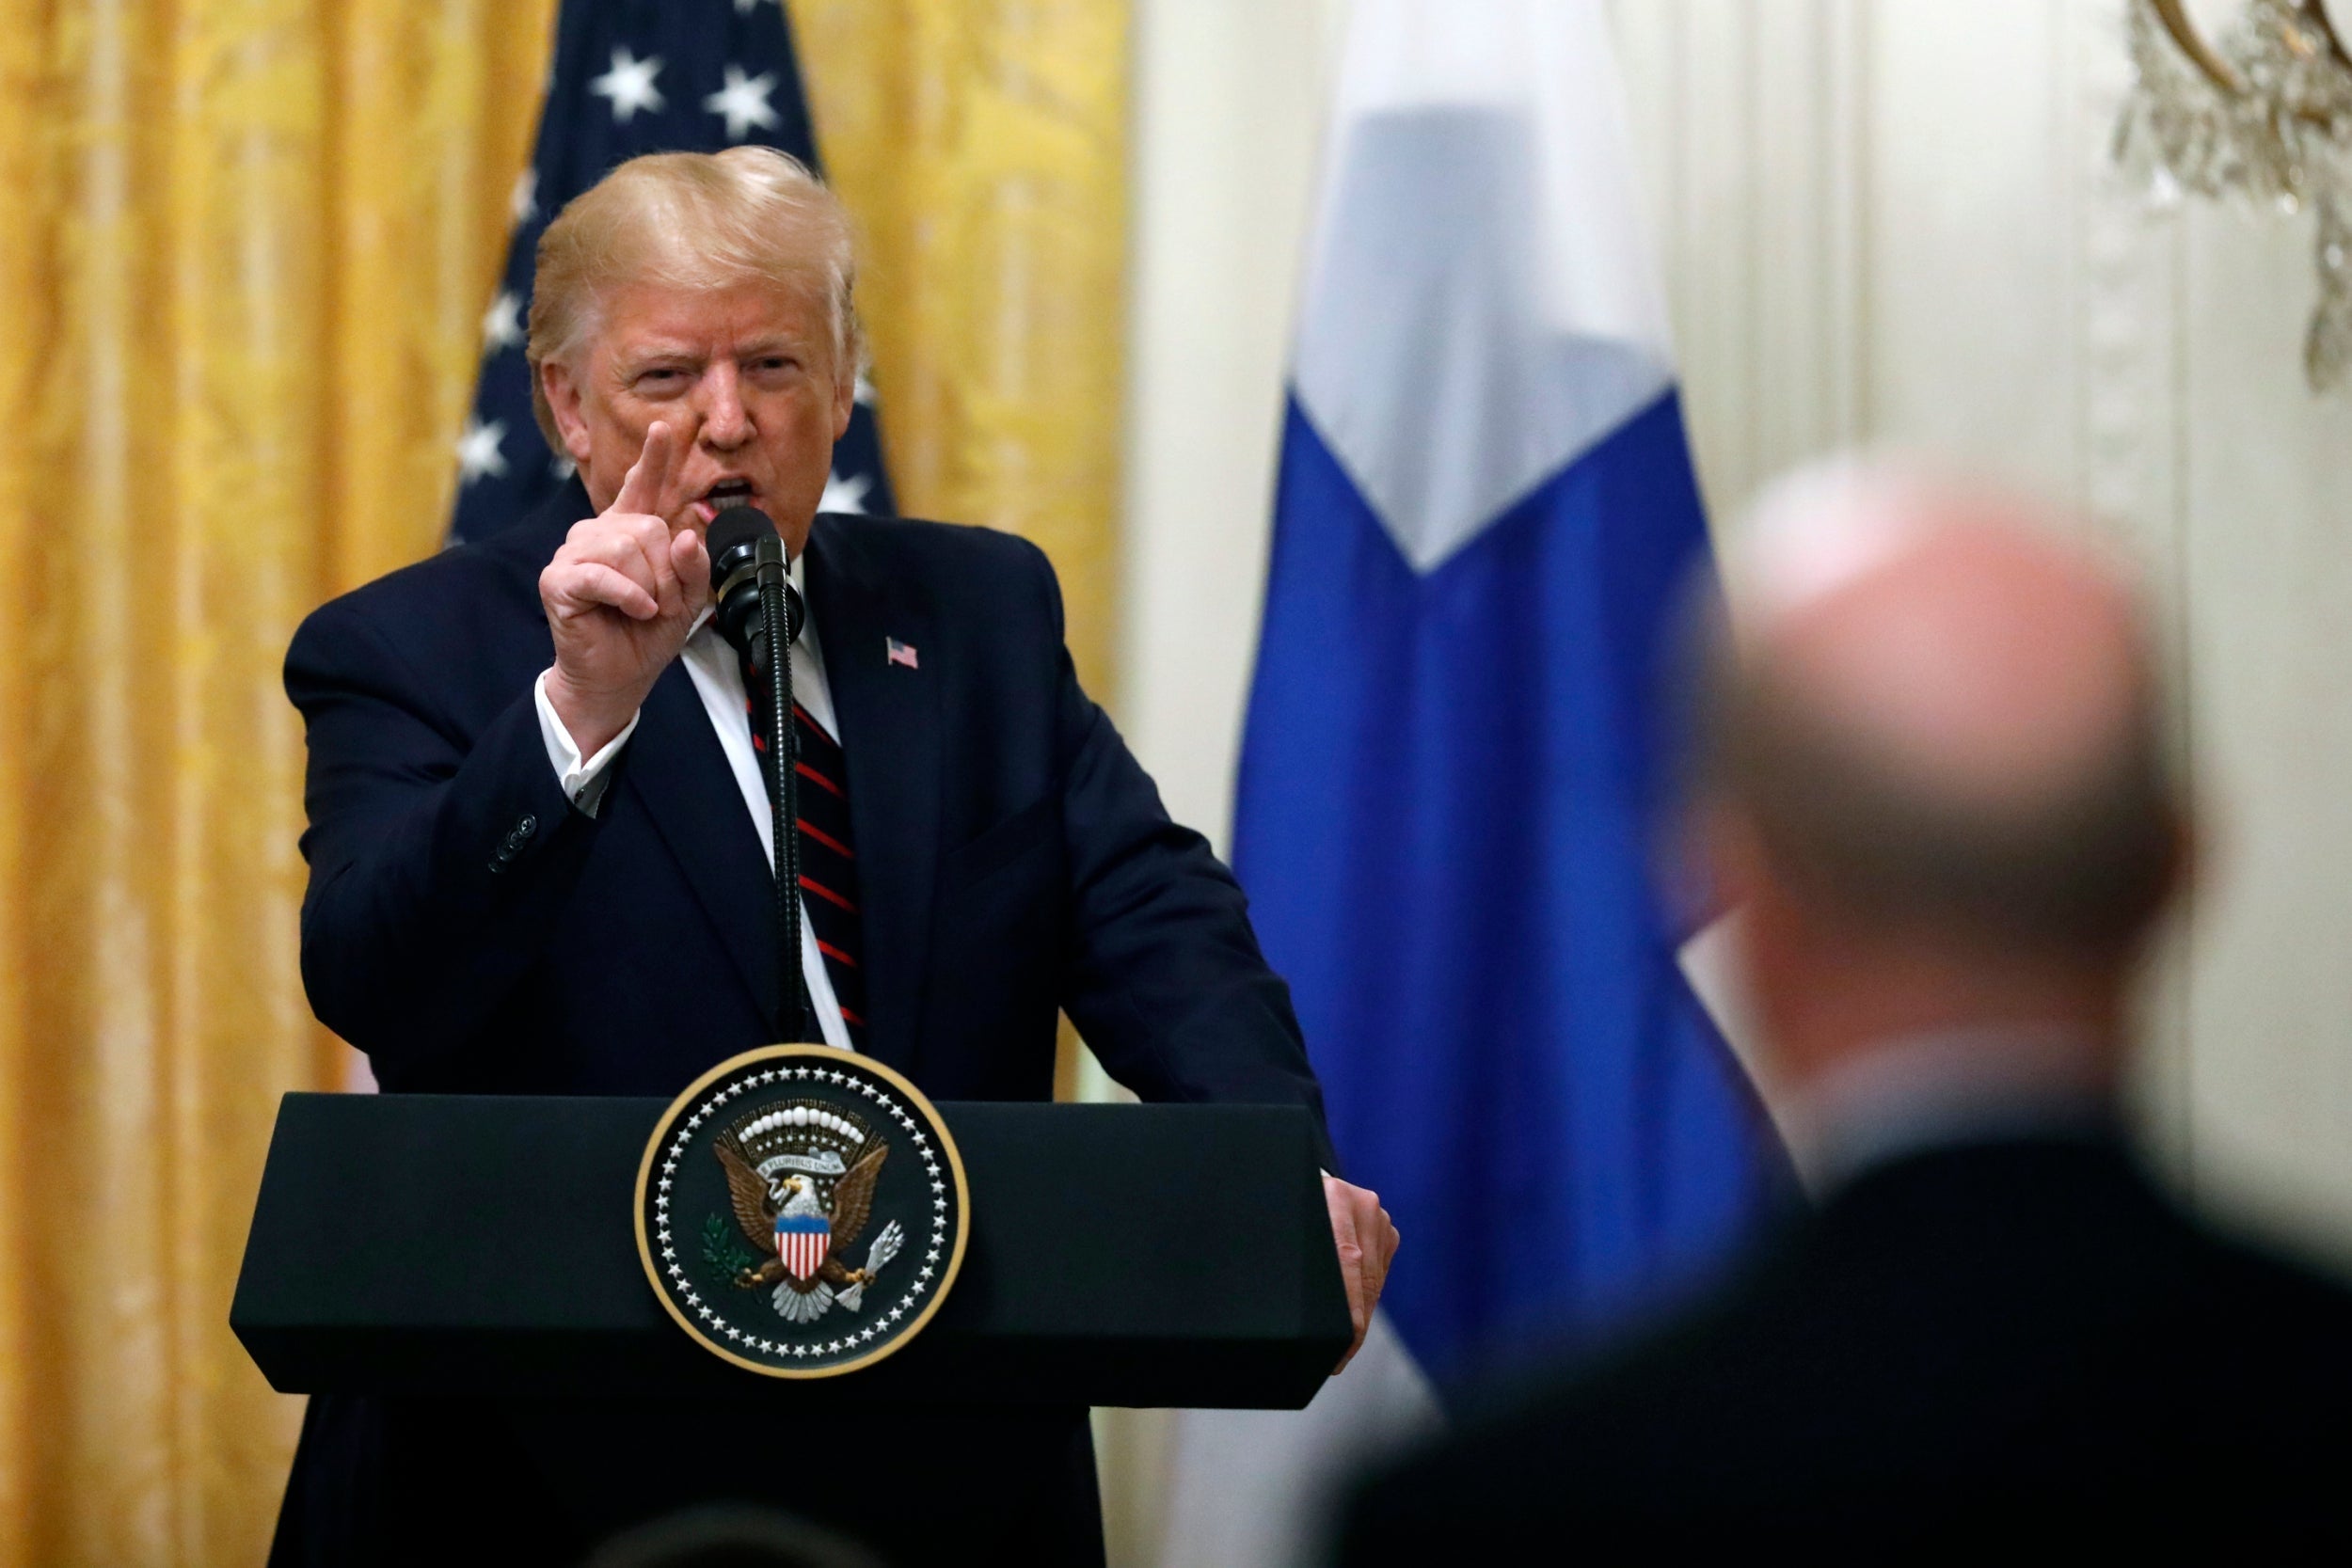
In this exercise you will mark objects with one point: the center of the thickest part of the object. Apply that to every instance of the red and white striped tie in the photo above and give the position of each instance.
(828, 852)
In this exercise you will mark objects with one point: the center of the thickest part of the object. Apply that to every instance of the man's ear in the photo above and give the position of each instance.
(563, 395)
(844, 399)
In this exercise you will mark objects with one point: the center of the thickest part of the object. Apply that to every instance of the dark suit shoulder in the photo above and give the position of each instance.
(452, 585)
(2301, 1314)
(1583, 1437)
(970, 577)
(920, 539)
(1956, 1337)
(950, 558)
(466, 614)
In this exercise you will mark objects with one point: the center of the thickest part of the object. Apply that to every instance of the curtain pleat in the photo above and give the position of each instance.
(246, 249)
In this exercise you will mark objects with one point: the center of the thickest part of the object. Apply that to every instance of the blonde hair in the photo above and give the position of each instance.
(691, 221)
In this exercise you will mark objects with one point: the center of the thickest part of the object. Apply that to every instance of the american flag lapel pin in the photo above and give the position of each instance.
(899, 653)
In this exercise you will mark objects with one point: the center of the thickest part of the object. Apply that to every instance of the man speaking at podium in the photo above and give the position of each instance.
(539, 840)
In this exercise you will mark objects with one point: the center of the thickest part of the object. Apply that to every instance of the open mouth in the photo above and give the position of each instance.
(726, 492)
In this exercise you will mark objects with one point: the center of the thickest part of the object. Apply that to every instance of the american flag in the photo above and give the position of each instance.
(634, 76)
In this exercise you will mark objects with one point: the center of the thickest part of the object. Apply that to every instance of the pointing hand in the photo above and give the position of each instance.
(620, 597)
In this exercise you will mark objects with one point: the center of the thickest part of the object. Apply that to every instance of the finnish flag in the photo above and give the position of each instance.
(1486, 526)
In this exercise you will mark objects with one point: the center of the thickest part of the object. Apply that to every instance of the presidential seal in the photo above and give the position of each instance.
(801, 1210)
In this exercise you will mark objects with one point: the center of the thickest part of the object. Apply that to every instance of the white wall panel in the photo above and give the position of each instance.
(2268, 483)
(1970, 329)
(1229, 99)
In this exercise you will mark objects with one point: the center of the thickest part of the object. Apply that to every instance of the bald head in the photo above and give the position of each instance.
(1941, 719)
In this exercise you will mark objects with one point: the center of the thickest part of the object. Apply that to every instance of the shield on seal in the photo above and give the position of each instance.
(802, 1241)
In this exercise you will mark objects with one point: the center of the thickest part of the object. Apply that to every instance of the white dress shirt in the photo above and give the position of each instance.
(718, 678)
(1943, 1089)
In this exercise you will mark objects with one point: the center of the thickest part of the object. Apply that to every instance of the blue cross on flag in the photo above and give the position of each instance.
(634, 76)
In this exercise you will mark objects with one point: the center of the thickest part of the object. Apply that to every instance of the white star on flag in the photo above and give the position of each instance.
(502, 322)
(478, 454)
(744, 103)
(629, 84)
(864, 390)
(844, 495)
(745, 7)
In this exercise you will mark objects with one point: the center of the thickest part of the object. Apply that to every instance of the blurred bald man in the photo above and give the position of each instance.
(1934, 778)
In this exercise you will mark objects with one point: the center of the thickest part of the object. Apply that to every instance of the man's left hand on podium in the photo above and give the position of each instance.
(1367, 1241)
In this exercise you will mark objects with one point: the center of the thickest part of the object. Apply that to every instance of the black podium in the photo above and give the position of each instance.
(428, 1245)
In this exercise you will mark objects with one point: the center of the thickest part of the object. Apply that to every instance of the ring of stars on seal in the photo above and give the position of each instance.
(802, 1211)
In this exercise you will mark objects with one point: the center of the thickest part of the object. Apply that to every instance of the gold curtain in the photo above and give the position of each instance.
(982, 145)
(249, 245)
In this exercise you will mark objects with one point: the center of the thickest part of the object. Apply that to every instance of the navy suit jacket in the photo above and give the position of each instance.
(2010, 1349)
(473, 932)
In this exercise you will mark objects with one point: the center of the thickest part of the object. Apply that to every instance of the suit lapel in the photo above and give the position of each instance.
(681, 776)
(891, 744)
(681, 773)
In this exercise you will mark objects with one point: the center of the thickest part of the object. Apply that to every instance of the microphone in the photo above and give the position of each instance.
(743, 544)
(755, 602)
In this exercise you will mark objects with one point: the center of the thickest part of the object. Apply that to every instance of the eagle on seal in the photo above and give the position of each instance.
(757, 1203)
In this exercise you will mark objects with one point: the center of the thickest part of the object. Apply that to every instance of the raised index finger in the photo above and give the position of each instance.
(647, 486)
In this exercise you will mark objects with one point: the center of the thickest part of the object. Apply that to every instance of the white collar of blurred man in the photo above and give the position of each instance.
(1932, 778)
(1948, 1088)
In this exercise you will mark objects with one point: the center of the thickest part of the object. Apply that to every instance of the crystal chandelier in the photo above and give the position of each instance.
(2263, 117)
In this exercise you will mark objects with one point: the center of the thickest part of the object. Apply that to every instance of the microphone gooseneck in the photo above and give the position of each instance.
(757, 610)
